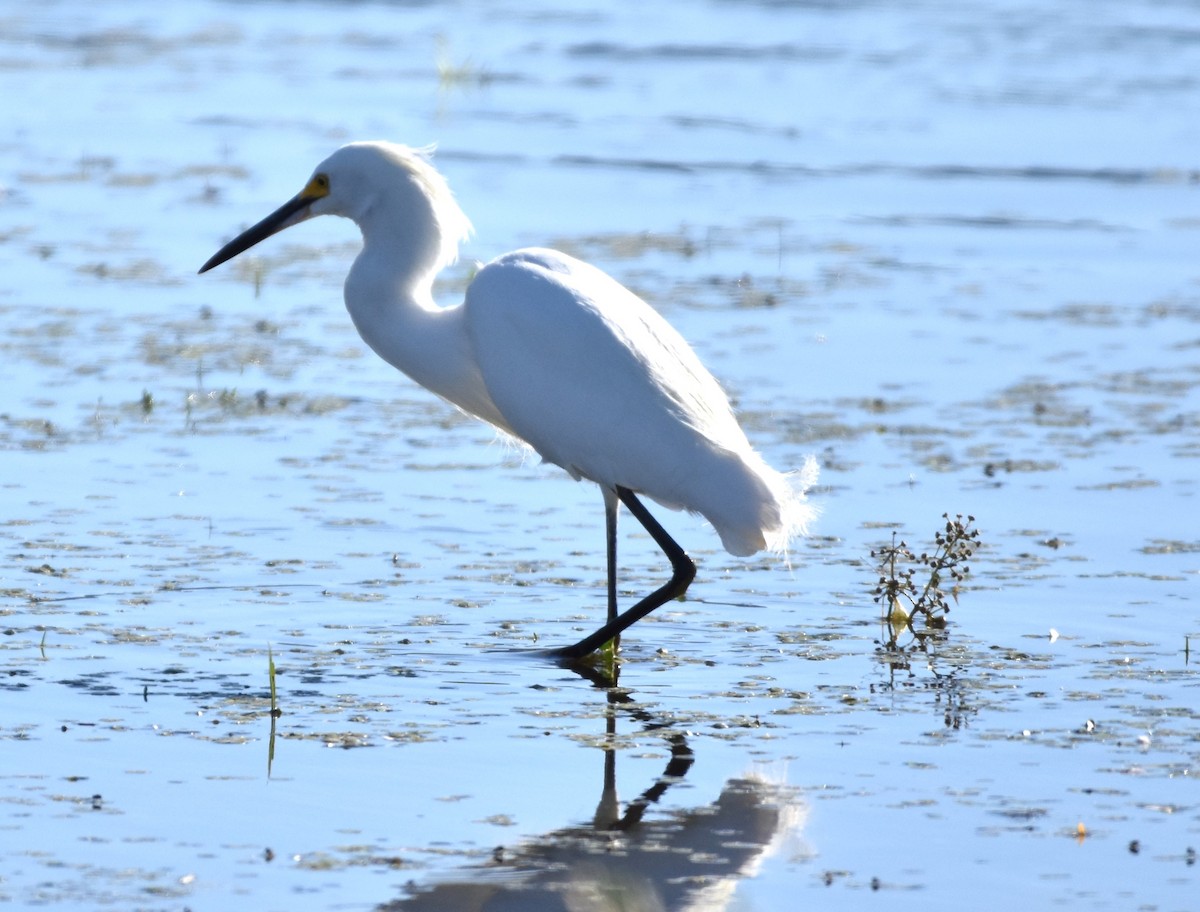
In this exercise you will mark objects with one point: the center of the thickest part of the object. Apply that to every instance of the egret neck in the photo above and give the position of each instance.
(389, 295)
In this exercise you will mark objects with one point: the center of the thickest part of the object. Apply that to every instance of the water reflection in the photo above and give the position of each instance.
(687, 860)
(902, 651)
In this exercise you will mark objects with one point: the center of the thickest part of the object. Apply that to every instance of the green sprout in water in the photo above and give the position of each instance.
(276, 712)
(607, 655)
(452, 73)
(904, 595)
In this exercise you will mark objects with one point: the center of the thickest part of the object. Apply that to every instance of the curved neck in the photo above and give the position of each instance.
(390, 299)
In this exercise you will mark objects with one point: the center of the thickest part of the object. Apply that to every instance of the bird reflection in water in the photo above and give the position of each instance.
(685, 861)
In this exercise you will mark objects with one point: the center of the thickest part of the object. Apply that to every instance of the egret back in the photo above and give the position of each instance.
(593, 379)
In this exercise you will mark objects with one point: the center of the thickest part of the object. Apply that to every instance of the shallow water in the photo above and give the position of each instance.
(949, 250)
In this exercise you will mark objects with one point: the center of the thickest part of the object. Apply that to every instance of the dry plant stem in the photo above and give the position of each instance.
(954, 545)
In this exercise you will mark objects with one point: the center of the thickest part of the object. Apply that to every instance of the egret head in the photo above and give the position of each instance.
(371, 182)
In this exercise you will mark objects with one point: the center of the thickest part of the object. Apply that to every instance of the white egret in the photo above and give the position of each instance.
(554, 352)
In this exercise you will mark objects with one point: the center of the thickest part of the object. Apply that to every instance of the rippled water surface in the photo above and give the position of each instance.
(949, 249)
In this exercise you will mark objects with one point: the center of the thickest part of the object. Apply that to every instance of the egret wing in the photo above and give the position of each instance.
(597, 382)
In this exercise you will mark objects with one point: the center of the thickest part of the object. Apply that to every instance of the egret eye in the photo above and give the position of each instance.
(317, 187)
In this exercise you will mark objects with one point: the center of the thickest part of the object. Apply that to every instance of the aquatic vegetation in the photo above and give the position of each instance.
(899, 591)
(452, 72)
(276, 712)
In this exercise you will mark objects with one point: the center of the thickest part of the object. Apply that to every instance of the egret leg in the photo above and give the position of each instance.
(611, 506)
(683, 571)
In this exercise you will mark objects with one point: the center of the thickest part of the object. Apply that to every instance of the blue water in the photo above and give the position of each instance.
(948, 249)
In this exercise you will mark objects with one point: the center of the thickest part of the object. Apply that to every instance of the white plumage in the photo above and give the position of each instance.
(551, 350)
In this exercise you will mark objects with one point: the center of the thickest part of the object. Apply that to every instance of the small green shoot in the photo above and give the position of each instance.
(456, 74)
(608, 658)
(602, 666)
(276, 712)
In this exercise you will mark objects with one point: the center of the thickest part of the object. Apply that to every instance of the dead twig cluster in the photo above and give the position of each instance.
(912, 584)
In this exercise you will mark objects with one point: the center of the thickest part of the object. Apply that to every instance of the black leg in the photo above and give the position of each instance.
(683, 572)
(611, 505)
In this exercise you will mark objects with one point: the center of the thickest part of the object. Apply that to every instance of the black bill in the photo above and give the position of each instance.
(290, 213)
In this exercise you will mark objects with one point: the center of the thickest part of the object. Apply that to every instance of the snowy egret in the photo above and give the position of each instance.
(554, 352)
